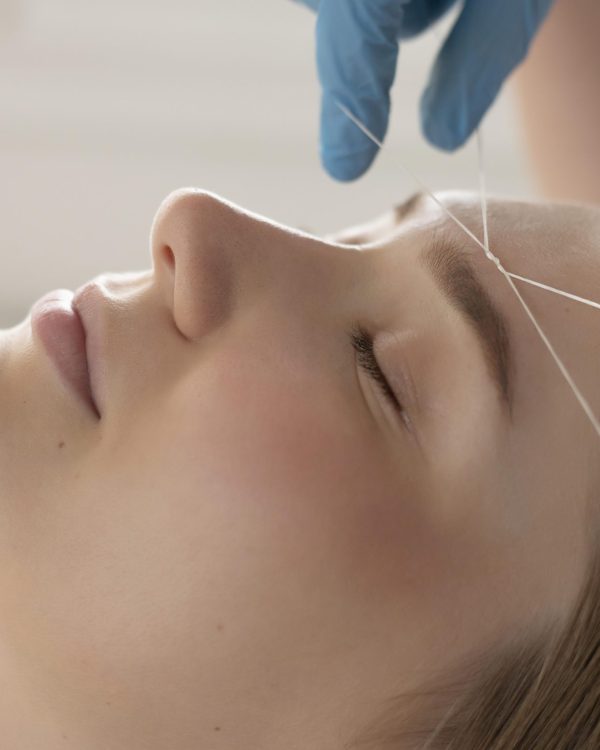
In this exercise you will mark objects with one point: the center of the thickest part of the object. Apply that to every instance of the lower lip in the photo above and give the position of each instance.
(61, 332)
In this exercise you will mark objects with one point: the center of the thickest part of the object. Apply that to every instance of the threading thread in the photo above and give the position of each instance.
(564, 371)
(457, 221)
(575, 297)
(486, 241)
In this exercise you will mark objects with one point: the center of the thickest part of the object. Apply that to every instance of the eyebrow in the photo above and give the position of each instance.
(455, 275)
(409, 206)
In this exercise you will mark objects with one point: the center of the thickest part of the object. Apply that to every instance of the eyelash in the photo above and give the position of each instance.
(362, 343)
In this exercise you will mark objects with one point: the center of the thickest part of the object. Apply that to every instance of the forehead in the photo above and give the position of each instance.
(555, 244)
(570, 227)
(536, 239)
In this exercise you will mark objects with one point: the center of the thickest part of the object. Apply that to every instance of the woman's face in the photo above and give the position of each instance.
(253, 535)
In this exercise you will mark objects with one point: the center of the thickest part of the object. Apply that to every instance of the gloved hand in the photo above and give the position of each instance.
(357, 51)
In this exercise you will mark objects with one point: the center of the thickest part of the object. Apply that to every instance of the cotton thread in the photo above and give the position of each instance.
(457, 221)
(539, 284)
(482, 190)
(485, 247)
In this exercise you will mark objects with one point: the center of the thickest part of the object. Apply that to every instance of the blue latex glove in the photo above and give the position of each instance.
(357, 51)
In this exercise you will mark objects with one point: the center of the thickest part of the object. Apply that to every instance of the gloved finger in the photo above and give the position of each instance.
(357, 51)
(487, 42)
(421, 14)
(312, 4)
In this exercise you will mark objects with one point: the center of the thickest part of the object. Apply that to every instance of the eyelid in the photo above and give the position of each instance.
(363, 344)
(399, 373)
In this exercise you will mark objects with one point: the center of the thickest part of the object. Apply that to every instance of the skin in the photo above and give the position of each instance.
(558, 107)
(250, 548)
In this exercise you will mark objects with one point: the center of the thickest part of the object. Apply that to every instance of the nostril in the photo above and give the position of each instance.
(169, 256)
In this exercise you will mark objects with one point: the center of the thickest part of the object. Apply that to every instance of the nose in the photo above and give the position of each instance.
(193, 236)
(213, 259)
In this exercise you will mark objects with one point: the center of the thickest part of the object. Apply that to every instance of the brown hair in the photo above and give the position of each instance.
(535, 692)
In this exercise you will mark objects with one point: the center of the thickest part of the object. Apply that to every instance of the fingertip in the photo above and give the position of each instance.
(447, 129)
(346, 151)
(349, 166)
(438, 134)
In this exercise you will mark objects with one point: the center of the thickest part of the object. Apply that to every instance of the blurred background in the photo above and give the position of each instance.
(105, 107)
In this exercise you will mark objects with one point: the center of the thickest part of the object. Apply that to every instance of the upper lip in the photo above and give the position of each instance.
(86, 303)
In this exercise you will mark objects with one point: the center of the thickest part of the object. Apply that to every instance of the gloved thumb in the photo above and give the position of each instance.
(487, 42)
(357, 51)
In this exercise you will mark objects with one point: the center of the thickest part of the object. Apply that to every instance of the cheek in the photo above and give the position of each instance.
(298, 476)
(277, 495)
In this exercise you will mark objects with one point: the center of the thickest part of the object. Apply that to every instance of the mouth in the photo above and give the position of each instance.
(59, 327)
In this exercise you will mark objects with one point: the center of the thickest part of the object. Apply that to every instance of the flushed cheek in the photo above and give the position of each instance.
(314, 489)
(289, 486)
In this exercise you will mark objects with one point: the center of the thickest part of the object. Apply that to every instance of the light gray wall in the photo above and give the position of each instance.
(107, 106)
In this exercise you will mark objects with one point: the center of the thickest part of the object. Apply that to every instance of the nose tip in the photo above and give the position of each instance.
(191, 239)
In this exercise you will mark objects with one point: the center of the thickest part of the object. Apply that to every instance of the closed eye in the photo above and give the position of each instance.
(362, 343)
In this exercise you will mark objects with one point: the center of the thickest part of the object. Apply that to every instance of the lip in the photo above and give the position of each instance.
(57, 323)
